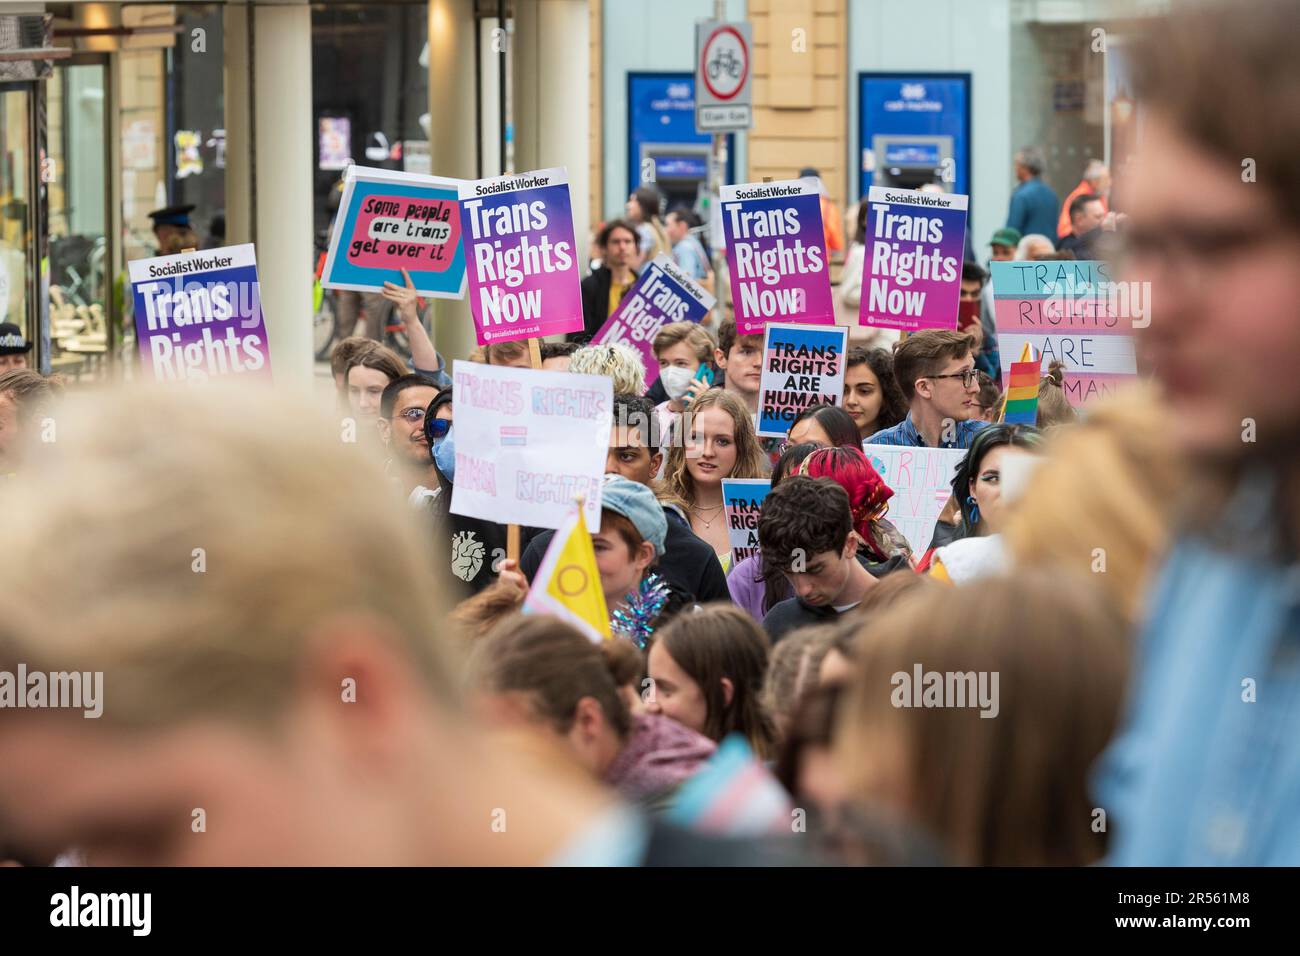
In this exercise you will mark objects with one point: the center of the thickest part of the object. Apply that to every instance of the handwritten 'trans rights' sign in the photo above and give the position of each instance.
(1069, 312)
(921, 479)
(776, 253)
(528, 443)
(523, 270)
(389, 221)
(662, 294)
(914, 253)
(198, 316)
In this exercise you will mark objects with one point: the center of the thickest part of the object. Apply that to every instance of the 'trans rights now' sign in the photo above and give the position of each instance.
(523, 271)
(776, 252)
(912, 275)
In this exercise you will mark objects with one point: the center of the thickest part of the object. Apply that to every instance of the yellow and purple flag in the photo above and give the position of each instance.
(567, 584)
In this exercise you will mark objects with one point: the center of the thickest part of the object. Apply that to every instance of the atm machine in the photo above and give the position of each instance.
(909, 162)
(681, 171)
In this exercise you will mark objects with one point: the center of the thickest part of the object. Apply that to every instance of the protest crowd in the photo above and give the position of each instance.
(759, 586)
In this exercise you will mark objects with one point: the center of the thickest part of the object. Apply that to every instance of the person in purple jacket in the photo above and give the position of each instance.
(539, 672)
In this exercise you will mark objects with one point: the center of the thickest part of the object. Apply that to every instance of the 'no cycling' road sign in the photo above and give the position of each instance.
(724, 99)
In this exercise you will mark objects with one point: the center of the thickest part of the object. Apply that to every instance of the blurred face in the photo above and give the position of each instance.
(559, 363)
(743, 365)
(127, 799)
(517, 360)
(970, 290)
(632, 209)
(986, 487)
(680, 355)
(1210, 290)
(10, 437)
(809, 431)
(951, 395)
(1088, 218)
(8, 362)
(628, 455)
(1101, 185)
(825, 575)
(403, 432)
(676, 229)
(620, 250)
(1002, 253)
(620, 568)
(365, 389)
(862, 397)
(711, 446)
(676, 694)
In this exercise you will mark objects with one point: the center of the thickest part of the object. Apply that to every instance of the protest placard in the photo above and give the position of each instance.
(662, 294)
(522, 260)
(389, 221)
(198, 316)
(743, 499)
(776, 254)
(912, 273)
(802, 366)
(921, 479)
(1068, 312)
(528, 443)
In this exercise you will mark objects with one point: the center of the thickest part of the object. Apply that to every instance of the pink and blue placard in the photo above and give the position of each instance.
(776, 254)
(912, 272)
(521, 256)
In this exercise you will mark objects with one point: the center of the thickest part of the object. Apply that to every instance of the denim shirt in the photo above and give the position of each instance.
(905, 433)
(1199, 774)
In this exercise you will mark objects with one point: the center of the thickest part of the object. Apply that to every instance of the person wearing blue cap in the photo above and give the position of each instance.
(170, 222)
(630, 539)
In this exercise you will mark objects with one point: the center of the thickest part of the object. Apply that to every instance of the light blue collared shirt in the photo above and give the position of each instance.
(905, 433)
(1206, 767)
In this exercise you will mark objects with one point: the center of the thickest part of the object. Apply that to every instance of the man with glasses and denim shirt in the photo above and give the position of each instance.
(401, 429)
(936, 371)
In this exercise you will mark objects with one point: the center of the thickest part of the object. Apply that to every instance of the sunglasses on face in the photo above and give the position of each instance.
(436, 428)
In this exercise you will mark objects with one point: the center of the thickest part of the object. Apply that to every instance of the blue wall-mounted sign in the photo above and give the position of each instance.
(661, 110)
(922, 105)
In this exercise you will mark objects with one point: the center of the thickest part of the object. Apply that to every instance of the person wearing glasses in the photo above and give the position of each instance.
(936, 372)
(402, 408)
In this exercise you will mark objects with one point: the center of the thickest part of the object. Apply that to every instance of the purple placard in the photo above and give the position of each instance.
(912, 273)
(198, 316)
(520, 256)
(776, 253)
(661, 295)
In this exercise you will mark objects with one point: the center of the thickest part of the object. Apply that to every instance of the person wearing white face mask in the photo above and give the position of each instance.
(681, 348)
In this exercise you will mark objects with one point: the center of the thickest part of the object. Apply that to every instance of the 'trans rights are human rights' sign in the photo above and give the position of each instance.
(523, 270)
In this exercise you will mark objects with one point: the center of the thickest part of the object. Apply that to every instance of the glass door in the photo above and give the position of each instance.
(18, 261)
(82, 307)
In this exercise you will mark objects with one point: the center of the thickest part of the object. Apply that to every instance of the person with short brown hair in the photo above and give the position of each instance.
(24, 394)
(368, 373)
(936, 373)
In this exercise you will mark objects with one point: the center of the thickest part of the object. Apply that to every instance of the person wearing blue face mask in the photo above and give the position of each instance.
(473, 550)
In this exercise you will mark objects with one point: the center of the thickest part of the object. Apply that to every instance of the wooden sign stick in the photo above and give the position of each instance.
(512, 530)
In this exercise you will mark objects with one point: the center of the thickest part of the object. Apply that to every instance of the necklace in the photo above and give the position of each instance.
(700, 512)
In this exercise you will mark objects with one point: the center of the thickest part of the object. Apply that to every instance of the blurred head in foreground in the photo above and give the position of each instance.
(976, 713)
(1223, 328)
(263, 701)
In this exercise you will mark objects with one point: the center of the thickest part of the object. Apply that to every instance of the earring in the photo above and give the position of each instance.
(974, 509)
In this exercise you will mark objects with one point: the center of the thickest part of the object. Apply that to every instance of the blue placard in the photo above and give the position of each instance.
(743, 500)
(436, 266)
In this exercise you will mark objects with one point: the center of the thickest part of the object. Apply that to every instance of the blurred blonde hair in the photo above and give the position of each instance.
(1104, 496)
(618, 361)
(188, 542)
